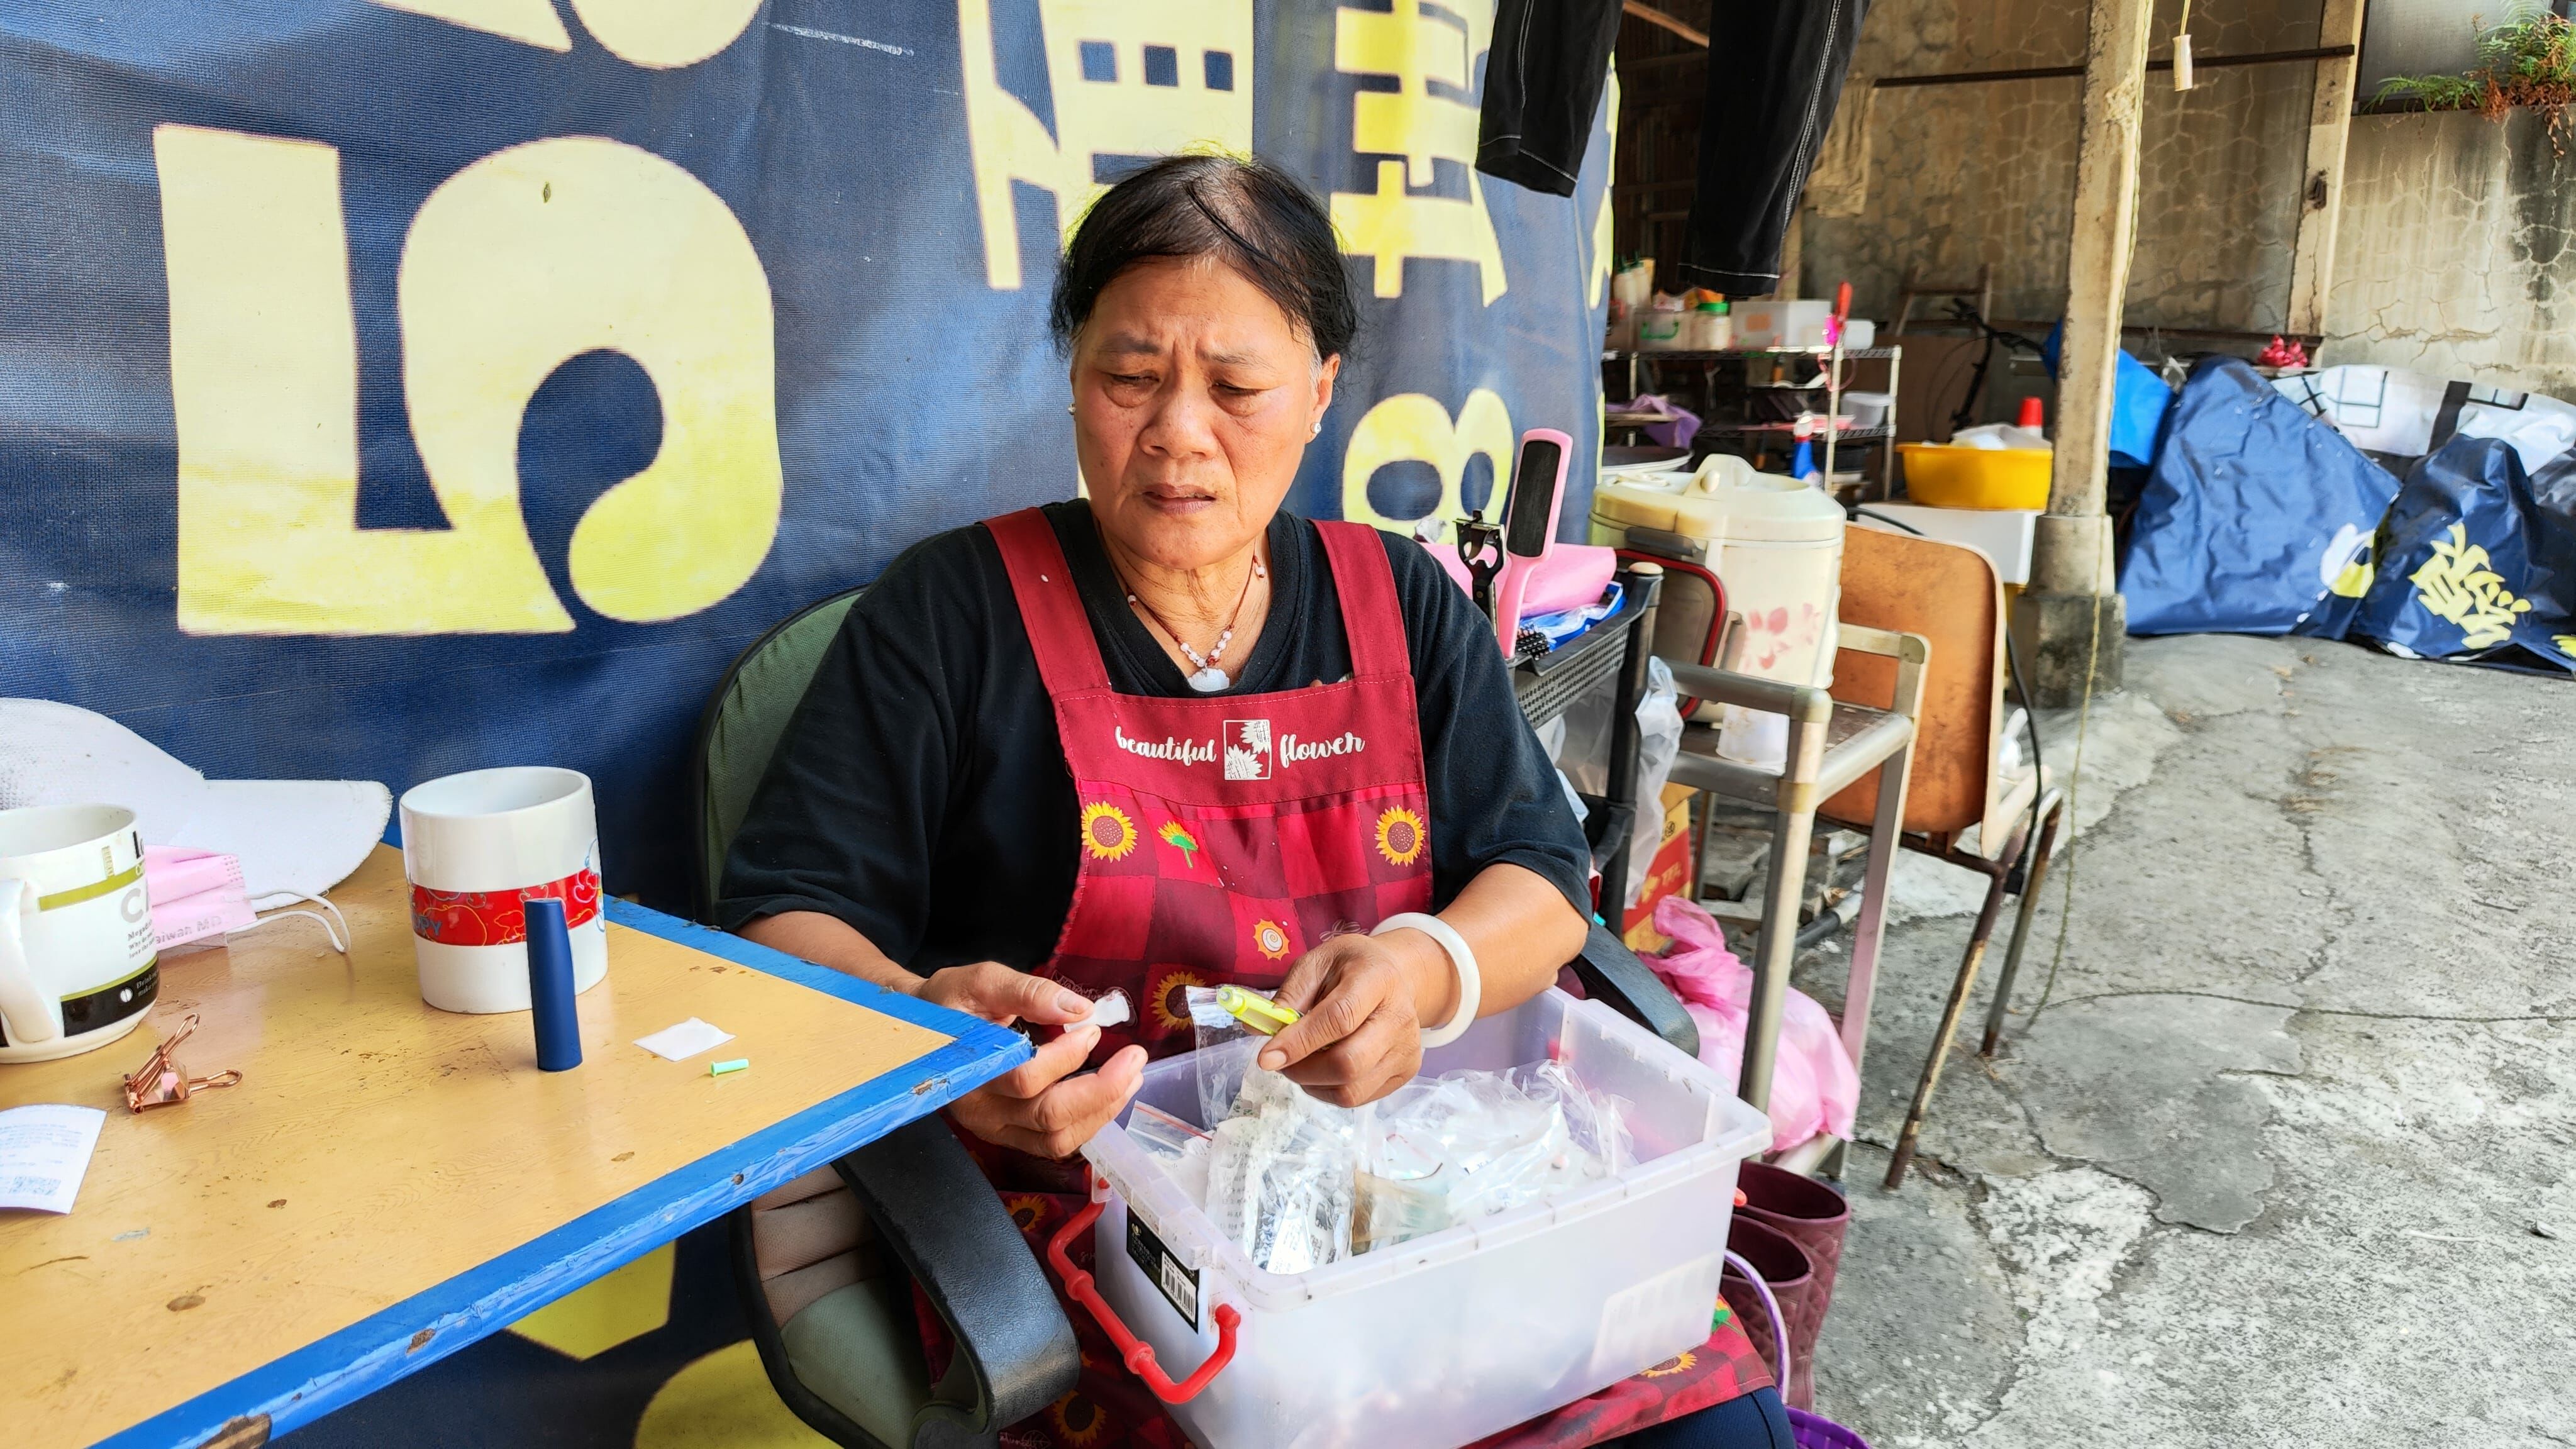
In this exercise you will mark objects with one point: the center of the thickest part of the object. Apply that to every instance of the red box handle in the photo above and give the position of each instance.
(1134, 1352)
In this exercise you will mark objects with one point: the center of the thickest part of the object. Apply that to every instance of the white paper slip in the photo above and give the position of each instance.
(44, 1154)
(678, 1043)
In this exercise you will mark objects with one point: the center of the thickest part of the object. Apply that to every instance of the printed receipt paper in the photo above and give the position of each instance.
(44, 1154)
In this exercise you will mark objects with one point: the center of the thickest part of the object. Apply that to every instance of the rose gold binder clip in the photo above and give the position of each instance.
(162, 1082)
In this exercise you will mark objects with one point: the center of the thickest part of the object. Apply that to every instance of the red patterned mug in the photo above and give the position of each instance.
(476, 847)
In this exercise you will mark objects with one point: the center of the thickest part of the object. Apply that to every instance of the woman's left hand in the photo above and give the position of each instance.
(1359, 1031)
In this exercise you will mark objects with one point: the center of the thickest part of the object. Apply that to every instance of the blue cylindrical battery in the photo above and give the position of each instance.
(550, 994)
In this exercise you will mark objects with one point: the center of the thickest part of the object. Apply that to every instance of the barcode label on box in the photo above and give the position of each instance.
(1179, 1285)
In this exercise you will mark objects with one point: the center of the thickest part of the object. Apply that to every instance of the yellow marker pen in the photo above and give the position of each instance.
(1257, 1012)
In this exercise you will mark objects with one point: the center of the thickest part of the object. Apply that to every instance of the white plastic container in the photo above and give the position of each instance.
(1868, 409)
(1796, 323)
(1784, 323)
(1777, 545)
(1440, 1341)
(1661, 331)
(1706, 329)
(1635, 284)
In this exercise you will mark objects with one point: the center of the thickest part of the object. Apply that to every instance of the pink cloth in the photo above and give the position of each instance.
(1813, 1087)
(194, 894)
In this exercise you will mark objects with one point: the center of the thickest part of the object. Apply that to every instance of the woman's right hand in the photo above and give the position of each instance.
(1039, 1107)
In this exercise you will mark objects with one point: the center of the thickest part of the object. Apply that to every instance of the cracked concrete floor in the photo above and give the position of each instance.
(2290, 1156)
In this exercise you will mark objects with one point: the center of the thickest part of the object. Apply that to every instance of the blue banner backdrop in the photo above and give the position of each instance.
(395, 388)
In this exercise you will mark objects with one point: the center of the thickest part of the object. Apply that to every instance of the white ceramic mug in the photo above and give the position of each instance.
(77, 963)
(475, 847)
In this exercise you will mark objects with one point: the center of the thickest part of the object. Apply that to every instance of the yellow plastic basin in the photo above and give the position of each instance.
(1943, 476)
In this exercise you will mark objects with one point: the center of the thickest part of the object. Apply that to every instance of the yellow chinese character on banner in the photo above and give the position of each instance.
(1422, 47)
(2456, 584)
(1129, 79)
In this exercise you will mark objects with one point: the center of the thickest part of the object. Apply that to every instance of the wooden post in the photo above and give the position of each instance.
(2329, 126)
(2064, 615)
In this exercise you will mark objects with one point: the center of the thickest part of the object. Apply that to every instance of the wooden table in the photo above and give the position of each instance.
(390, 1183)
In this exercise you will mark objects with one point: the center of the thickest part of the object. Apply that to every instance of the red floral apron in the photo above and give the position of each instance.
(1221, 838)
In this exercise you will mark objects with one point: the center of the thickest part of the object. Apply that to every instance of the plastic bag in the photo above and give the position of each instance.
(2000, 437)
(1597, 1121)
(1226, 1048)
(1280, 1182)
(1297, 1183)
(1280, 1187)
(1813, 1087)
(1180, 1149)
(1585, 759)
(1471, 1144)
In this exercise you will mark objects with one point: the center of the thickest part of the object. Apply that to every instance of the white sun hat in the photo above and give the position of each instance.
(293, 836)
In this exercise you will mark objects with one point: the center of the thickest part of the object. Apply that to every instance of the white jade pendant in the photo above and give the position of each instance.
(1210, 680)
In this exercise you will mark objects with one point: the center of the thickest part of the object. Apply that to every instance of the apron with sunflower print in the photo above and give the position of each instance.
(1222, 837)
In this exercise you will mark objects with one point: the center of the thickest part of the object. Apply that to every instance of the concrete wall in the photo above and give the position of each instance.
(2456, 252)
(1960, 175)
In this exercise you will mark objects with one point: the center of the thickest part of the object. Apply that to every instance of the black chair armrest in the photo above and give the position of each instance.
(942, 1219)
(930, 1207)
(1612, 974)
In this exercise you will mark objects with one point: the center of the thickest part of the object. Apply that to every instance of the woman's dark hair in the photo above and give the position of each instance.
(1247, 213)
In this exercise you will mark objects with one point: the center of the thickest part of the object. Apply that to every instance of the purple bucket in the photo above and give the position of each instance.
(1815, 1431)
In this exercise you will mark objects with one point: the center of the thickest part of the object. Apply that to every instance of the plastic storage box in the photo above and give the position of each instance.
(1440, 1341)
(1797, 324)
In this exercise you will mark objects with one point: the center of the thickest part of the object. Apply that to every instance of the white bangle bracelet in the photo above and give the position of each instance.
(1462, 958)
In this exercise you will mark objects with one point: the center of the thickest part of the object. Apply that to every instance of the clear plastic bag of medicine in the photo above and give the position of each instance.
(1226, 1048)
(1471, 1144)
(1279, 1162)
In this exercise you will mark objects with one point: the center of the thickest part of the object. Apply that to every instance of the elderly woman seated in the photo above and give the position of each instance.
(1173, 736)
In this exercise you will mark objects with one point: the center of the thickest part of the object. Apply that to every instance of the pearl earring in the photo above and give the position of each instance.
(1317, 429)
(1068, 409)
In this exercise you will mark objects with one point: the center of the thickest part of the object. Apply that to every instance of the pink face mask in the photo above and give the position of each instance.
(194, 894)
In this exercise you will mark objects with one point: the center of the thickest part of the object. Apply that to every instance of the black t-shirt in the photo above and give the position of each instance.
(921, 793)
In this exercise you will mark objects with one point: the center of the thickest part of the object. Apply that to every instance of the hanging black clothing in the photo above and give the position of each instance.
(1775, 71)
(1543, 80)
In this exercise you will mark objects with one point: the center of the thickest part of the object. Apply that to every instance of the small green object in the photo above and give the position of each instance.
(736, 1065)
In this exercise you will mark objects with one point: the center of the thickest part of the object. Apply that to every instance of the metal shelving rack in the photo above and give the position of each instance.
(1830, 362)
(1615, 648)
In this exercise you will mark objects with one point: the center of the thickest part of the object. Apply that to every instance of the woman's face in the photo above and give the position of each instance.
(1193, 398)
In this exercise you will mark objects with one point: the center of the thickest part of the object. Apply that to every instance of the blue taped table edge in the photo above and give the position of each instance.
(396, 1342)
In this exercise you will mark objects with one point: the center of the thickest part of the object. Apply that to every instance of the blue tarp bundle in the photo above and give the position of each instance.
(2257, 518)
(2139, 402)
(2478, 560)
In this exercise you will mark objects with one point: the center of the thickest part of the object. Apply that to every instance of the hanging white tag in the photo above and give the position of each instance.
(2182, 62)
